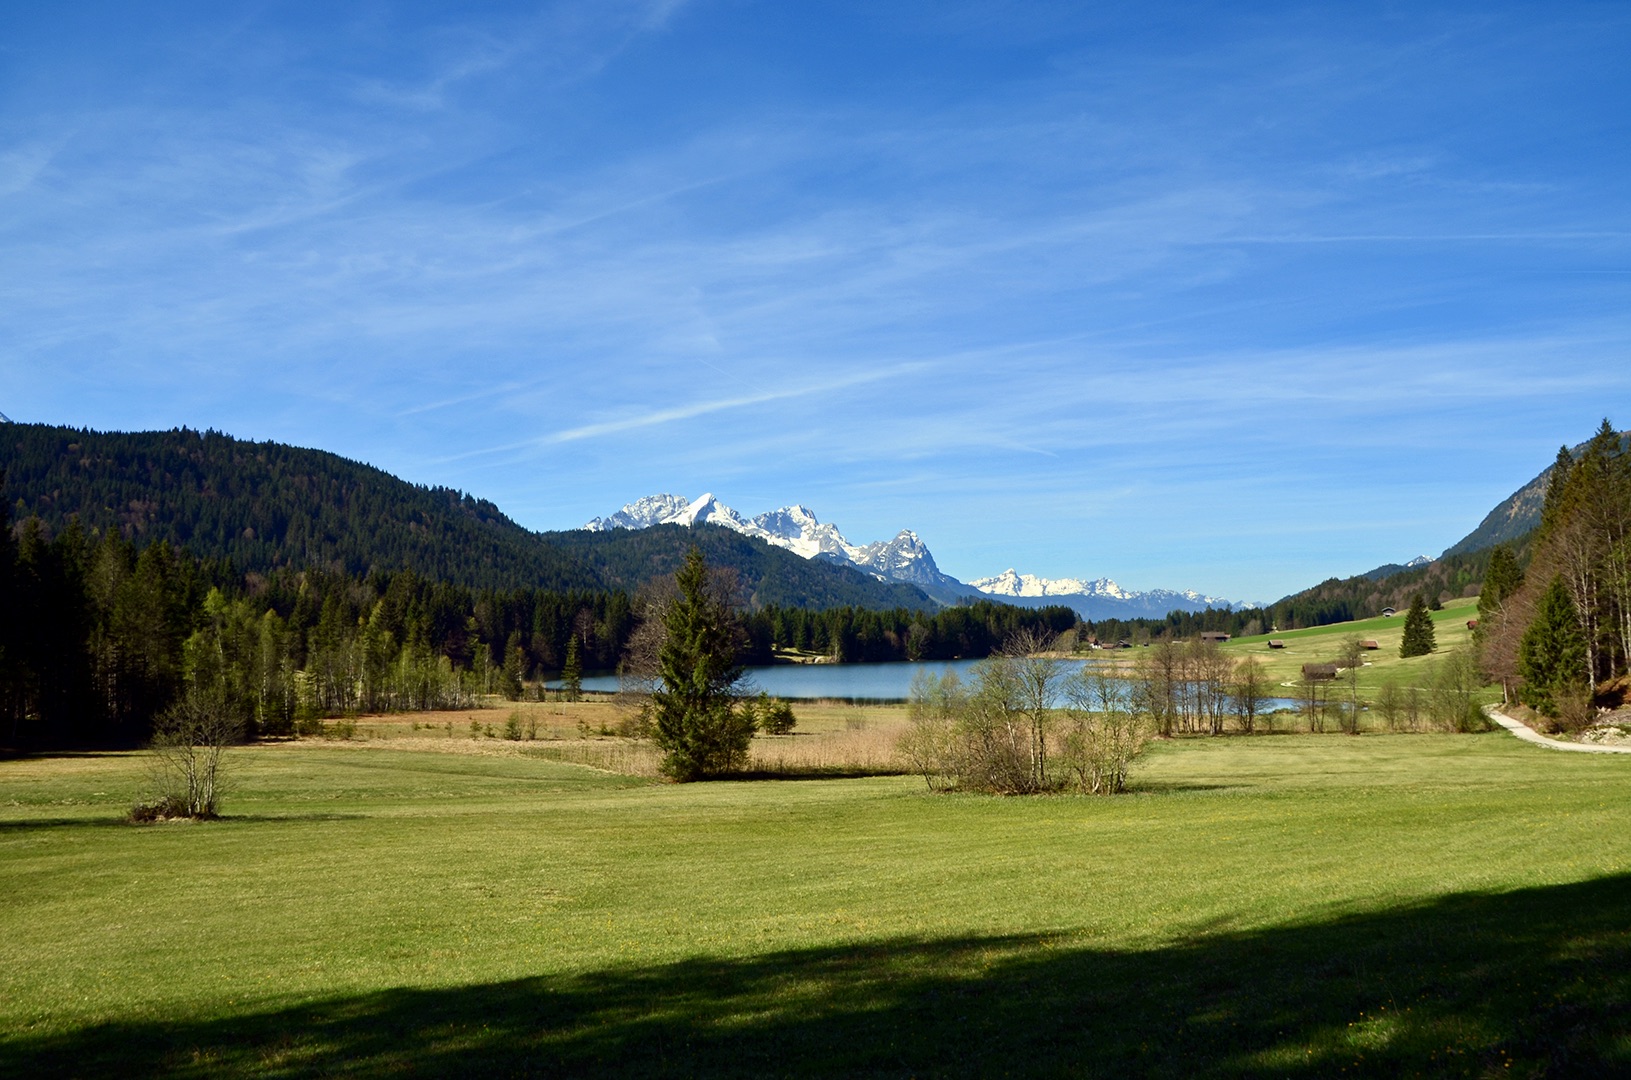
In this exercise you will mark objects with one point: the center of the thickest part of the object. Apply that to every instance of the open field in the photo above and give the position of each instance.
(1294, 905)
(831, 739)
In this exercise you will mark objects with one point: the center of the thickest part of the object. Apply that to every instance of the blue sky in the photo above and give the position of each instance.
(1227, 297)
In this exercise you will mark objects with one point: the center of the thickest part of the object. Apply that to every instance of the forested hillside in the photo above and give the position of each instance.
(628, 558)
(266, 507)
(292, 585)
(1557, 633)
(1362, 596)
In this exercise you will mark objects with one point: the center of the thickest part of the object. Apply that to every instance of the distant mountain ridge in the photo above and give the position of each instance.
(268, 507)
(905, 559)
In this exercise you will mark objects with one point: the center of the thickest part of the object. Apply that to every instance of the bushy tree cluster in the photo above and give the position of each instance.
(1025, 724)
(98, 637)
(1564, 628)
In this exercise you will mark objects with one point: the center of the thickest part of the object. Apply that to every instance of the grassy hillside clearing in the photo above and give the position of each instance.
(1383, 665)
(1428, 905)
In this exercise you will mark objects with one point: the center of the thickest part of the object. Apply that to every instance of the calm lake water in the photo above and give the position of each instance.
(846, 682)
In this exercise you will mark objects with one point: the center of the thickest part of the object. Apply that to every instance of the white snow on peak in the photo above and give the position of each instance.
(1419, 560)
(796, 528)
(1012, 583)
(642, 513)
(904, 558)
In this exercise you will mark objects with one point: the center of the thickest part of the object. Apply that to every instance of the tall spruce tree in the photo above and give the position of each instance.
(1418, 630)
(572, 672)
(1551, 653)
(696, 718)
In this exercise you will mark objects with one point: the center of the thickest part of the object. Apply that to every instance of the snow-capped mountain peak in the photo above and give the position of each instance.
(904, 558)
(1012, 583)
(642, 513)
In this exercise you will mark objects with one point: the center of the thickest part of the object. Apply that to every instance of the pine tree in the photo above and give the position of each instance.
(1551, 654)
(696, 719)
(572, 672)
(1418, 630)
(1552, 507)
(515, 668)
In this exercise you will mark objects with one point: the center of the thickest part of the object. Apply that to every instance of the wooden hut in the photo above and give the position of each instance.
(1319, 672)
(1276, 643)
(1213, 637)
(1369, 645)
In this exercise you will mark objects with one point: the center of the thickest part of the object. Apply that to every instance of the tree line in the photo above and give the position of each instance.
(98, 636)
(1559, 632)
(853, 634)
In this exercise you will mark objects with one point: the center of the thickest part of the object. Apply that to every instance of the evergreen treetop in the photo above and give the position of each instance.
(1418, 630)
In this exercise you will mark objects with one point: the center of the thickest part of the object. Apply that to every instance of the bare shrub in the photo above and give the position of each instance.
(189, 742)
(1248, 693)
(1106, 732)
(1575, 711)
(929, 742)
(1390, 707)
(1452, 699)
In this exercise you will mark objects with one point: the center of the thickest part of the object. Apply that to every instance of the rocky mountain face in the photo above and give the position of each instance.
(1518, 514)
(905, 559)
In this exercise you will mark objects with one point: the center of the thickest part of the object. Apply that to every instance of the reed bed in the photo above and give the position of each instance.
(868, 750)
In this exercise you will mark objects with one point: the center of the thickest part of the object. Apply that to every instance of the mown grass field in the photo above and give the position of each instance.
(1280, 905)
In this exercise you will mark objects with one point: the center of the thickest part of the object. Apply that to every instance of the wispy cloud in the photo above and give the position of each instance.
(1067, 264)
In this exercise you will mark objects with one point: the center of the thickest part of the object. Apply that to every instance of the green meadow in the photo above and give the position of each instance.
(1277, 905)
(1383, 665)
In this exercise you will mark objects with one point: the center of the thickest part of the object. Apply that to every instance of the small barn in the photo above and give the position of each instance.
(1388, 613)
(1369, 645)
(1276, 643)
(1319, 672)
(1472, 624)
(1213, 637)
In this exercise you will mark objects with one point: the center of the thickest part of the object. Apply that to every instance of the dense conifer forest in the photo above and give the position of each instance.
(265, 507)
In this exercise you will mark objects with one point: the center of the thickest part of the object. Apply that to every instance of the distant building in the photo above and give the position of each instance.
(1214, 637)
(1388, 613)
(1369, 645)
(1472, 624)
(1277, 644)
(1319, 672)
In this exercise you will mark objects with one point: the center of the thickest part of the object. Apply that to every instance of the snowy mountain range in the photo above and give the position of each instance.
(903, 559)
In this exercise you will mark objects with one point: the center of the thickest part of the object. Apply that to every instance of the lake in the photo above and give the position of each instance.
(846, 682)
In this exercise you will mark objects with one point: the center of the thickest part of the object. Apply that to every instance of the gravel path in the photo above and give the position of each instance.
(1529, 734)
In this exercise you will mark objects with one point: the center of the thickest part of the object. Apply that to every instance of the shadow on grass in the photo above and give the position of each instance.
(31, 824)
(123, 821)
(812, 772)
(1519, 984)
